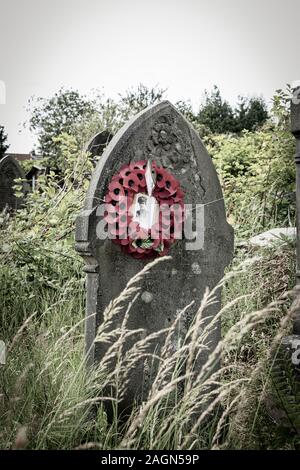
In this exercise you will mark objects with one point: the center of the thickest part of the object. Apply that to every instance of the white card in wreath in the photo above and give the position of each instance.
(149, 177)
(145, 210)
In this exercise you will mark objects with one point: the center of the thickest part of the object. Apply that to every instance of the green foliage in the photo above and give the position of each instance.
(257, 174)
(50, 117)
(250, 114)
(112, 114)
(219, 117)
(281, 108)
(37, 244)
(48, 394)
(81, 117)
(215, 113)
(264, 276)
(135, 100)
(42, 311)
(72, 161)
(3, 144)
(185, 108)
(285, 404)
(70, 113)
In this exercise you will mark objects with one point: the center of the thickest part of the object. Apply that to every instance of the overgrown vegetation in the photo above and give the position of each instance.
(218, 116)
(47, 400)
(82, 116)
(3, 142)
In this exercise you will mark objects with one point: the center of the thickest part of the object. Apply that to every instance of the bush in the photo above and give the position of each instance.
(257, 174)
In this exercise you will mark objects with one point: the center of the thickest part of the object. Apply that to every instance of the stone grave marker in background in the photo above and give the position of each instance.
(290, 345)
(9, 171)
(162, 134)
(97, 144)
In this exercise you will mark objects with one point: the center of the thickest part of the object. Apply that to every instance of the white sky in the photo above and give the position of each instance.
(245, 47)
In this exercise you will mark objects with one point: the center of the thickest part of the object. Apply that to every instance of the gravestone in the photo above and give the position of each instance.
(97, 144)
(290, 345)
(295, 129)
(10, 170)
(161, 134)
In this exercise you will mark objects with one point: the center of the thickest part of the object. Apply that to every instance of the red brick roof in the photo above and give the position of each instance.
(20, 156)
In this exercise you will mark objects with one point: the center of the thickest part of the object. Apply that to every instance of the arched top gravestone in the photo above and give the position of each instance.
(97, 144)
(162, 134)
(10, 170)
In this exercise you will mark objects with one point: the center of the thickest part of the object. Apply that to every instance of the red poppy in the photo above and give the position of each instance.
(116, 191)
(179, 195)
(141, 177)
(171, 184)
(162, 194)
(169, 201)
(131, 182)
(160, 178)
(140, 165)
(107, 198)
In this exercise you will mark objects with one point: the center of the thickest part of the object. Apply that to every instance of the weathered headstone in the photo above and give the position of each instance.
(97, 144)
(290, 345)
(10, 170)
(163, 135)
(295, 129)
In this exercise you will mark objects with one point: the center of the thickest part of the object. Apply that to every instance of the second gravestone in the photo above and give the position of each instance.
(10, 170)
(97, 144)
(153, 163)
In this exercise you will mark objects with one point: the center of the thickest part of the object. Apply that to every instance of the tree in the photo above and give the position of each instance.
(135, 100)
(111, 114)
(250, 114)
(215, 113)
(280, 111)
(257, 173)
(185, 108)
(50, 117)
(219, 117)
(69, 112)
(3, 145)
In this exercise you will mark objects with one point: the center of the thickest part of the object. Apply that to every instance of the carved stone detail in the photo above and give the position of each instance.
(167, 145)
(170, 148)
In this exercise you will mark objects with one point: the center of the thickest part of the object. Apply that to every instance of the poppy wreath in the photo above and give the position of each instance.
(135, 240)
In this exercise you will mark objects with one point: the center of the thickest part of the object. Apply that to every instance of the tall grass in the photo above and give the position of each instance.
(49, 400)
